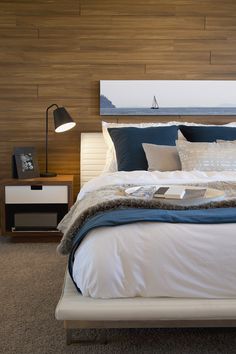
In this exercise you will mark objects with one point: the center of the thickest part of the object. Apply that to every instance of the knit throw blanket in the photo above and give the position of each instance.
(114, 197)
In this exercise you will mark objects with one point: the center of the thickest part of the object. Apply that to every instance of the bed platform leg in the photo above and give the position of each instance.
(70, 339)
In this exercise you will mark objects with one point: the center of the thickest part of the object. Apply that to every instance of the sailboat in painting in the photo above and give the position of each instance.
(154, 103)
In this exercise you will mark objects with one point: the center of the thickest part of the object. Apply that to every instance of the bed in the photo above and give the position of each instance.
(191, 310)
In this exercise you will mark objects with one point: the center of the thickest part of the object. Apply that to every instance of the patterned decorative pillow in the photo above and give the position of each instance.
(216, 156)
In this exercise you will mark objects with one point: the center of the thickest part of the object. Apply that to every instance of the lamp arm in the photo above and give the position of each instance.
(46, 140)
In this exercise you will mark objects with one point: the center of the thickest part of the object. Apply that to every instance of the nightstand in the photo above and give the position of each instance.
(34, 207)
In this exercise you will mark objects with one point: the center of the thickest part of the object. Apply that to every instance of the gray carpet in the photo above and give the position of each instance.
(31, 277)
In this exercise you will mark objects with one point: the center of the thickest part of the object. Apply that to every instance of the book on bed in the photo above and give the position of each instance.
(179, 192)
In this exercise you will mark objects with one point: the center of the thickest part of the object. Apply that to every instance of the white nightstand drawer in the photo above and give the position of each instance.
(33, 195)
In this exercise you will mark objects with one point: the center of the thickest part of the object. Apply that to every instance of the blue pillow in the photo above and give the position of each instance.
(207, 134)
(128, 144)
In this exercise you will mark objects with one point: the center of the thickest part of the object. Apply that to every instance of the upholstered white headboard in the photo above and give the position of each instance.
(92, 156)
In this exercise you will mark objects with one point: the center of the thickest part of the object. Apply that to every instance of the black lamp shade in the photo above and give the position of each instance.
(62, 120)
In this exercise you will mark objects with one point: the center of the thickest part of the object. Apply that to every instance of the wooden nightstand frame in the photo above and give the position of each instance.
(65, 180)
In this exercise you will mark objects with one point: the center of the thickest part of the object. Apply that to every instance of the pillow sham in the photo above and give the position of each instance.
(207, 156)
(162, 158)
(128, 144)
(208, 133)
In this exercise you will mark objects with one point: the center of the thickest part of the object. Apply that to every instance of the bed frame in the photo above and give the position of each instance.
(78, 312)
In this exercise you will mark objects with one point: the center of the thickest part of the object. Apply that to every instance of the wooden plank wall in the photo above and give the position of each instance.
(57, 51)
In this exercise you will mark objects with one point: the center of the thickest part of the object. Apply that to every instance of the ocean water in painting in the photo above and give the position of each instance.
(168, 111)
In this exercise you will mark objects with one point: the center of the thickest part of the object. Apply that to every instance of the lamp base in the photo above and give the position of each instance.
(48, 174)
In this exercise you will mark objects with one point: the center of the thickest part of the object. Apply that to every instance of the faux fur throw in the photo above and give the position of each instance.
(114, 197)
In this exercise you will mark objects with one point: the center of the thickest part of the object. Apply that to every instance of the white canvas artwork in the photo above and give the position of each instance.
(168, 97)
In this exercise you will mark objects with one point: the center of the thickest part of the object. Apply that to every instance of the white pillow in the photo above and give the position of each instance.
(111, 163)
(217, 156)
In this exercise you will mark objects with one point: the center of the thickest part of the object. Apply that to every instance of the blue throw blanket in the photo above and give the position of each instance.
(114, 197)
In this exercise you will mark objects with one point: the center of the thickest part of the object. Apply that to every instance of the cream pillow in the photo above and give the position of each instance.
(217, 156)
(162, 157)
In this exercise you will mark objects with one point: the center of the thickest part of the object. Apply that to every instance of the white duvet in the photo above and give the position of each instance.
(157, 259)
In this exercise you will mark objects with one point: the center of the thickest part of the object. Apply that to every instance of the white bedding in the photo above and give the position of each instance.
(157, 259)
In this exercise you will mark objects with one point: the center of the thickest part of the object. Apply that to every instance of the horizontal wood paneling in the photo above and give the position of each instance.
(221, 22)
(7, 20)
(13, 33)
(193, 72)
(222, 58)
(56, 74)
(40, 7)
(113, 32)
(124, 23)
(161, 7)
(25, 91)
(57, 51)
(198, 119)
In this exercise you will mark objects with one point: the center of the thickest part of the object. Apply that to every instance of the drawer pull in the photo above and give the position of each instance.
(36, 188)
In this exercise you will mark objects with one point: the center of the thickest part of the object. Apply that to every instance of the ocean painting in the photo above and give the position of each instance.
(167, 97)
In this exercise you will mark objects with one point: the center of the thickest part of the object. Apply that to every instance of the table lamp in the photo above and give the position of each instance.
(62, 123)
